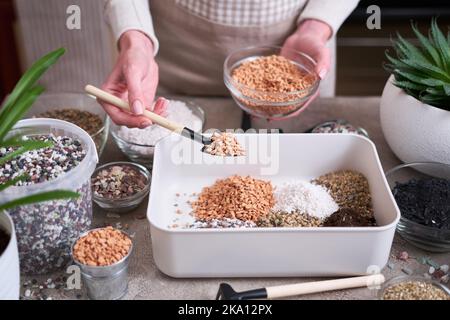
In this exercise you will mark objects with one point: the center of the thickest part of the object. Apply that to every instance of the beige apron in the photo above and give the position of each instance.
(193, 49)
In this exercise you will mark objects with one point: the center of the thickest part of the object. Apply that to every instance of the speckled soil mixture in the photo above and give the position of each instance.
(46, 231)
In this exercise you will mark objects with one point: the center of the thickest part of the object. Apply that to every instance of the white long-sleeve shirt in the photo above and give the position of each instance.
(124, 15)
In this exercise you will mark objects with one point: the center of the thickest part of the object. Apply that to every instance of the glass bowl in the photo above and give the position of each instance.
(424, 237)
(124, 204)
(326, 127)
(273, 105)
(143, 153)
(400, 279)
(53, 101)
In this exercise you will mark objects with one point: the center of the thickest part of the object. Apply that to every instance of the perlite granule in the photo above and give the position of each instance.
(177, 111)
(224, 144)
(304, 197)
(221, 223)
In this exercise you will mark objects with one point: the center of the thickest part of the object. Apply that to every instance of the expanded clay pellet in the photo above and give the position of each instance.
(236, 197)
(272, 74)
(102, 247)
(350, 189)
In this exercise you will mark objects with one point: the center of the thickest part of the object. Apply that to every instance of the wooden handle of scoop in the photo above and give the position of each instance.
(322, 286)
(116, 101)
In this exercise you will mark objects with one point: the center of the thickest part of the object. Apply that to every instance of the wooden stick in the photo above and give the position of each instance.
(322, 286)
(116, 101)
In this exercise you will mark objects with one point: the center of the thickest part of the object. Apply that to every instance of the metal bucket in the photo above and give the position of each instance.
(106, 282)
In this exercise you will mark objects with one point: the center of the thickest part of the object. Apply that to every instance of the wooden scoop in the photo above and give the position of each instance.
(155, 118)
(226, 292)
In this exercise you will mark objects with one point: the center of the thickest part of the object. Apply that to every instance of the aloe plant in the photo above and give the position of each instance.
(423, 71)
(15, 107)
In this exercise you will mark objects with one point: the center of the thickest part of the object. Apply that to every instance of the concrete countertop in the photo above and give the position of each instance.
(147, 282)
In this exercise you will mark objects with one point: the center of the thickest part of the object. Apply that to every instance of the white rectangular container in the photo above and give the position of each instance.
(268, 252)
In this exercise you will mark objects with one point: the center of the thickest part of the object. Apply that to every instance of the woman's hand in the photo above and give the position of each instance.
(134, 79)
(311, 38)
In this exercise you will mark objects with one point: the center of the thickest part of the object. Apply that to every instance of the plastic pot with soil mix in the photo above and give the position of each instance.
(45, 231)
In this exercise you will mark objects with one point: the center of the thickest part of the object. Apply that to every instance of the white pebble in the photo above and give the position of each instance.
(27, 293)
(177, 111)
(304, 197)
(431, 270)
(444, 268)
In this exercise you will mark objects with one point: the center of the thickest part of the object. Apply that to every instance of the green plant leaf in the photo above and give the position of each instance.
(426, 81)
(19, 110)
(409, 50)
(40, 197)
(447, 90)
(28, 146)
(435, 90)
(441, 43)
(28, 80)
(12, 182)
(429, 48)
(428, 69)
(409, 85)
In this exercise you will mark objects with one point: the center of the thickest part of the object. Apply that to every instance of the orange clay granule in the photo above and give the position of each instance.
(274, 74)
(102, 247)
(236, 197)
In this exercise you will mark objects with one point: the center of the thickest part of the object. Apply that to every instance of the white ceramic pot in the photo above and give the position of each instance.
(9, 263)
(415, 131)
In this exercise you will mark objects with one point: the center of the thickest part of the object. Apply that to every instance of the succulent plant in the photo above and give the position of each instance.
(423, 71)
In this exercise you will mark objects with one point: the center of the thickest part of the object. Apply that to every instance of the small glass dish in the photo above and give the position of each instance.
(401, 279)
(127, 203)
(143, 153)
(339, 126)
(424, 237)
(54, 101)
(275, 105)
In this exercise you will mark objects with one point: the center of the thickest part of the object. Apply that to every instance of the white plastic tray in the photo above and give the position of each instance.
(268, 252)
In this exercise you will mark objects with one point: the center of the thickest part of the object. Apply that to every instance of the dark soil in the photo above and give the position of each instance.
(425, 201)
(4, 240)
(347, 217)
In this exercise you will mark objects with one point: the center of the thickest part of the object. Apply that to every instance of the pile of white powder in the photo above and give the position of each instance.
(177, 111)
(304, 197)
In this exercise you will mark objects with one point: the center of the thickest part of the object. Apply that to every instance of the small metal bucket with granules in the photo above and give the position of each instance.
(105, 282)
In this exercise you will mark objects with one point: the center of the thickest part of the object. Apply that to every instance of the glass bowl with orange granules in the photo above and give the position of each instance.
(270, 82)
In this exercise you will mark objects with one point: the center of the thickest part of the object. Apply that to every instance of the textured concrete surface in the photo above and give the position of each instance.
(147, 282)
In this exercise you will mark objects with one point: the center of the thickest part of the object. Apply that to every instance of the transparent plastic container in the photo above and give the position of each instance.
(58, 101)
(45, 231)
